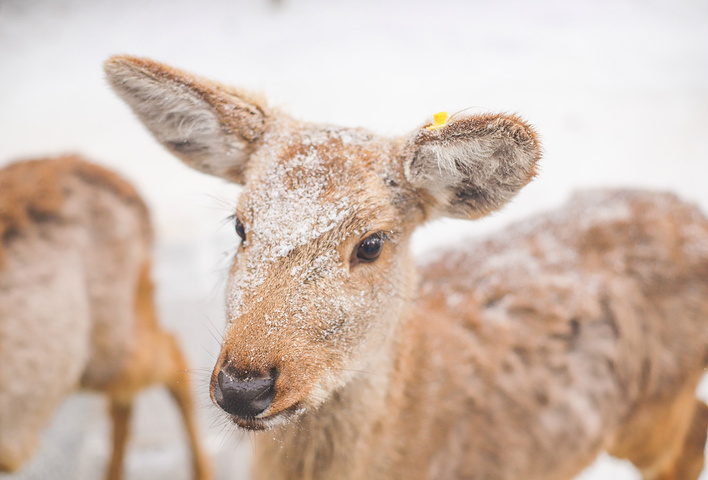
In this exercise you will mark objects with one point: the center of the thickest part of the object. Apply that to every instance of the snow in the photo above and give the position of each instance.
(288, 216)
(618, 90)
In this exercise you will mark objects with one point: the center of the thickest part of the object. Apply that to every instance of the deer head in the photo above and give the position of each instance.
(323, 276)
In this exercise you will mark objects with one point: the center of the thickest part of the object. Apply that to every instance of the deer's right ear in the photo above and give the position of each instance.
(211, 127)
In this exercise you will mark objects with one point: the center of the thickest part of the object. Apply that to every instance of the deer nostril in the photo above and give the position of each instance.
(244, 397)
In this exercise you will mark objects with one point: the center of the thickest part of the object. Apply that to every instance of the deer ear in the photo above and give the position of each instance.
(211, 127)
(473, 165)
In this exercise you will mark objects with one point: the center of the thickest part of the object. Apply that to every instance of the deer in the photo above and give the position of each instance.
(519, 356)
(77, 308)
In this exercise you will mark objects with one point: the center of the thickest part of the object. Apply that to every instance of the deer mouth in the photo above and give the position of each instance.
(269, 421)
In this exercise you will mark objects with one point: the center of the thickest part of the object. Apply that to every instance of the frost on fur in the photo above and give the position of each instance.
(519, 356)
(474, 165)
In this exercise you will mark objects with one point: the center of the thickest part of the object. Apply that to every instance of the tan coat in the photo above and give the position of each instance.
(520, 357)
(76, 303)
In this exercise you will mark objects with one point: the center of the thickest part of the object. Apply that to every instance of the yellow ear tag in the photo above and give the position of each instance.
(439, 120)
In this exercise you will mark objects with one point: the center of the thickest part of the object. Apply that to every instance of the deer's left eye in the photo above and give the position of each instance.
(240, 229)
(369, 249)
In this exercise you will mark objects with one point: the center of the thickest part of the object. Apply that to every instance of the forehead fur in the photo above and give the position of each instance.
(313, 182)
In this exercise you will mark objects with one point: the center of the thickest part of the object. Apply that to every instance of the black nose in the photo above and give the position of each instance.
(244, 397)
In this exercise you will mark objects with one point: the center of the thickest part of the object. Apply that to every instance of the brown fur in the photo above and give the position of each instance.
(76, 304)
(521, 356)
(31, 191)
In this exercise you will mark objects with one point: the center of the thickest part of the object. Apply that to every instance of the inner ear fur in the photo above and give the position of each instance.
(473, 165)
(211, 127)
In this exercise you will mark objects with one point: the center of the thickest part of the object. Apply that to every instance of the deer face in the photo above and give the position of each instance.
(319, 277)
(322, 277)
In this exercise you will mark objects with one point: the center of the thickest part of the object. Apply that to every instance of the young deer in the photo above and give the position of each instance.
(76, 304)
(519, 357)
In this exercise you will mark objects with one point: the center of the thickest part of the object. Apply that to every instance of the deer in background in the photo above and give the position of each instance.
(522, 356)
(76, 305)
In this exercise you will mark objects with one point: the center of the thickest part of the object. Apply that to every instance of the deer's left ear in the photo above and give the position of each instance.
(473, 165)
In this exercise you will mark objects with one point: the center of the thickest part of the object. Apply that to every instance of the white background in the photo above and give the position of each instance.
(618, 90)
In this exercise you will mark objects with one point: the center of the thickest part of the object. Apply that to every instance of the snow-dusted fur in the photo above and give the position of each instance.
(474, 165)
(76, 304)
(522, 356)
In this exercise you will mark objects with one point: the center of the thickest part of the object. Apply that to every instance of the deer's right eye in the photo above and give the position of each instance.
(240, 229)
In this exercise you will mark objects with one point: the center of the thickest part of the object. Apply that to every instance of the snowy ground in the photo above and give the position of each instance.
(617, 88)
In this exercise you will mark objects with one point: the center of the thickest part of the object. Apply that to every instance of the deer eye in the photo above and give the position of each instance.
(370, 248)
(240, 229)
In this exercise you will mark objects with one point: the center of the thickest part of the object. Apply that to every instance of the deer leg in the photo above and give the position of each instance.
(180, 389)
(120, 417)
(168, 367)
(665, 440)
(688, 461)
(691, 461)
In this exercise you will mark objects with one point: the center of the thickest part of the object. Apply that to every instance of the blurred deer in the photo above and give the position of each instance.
(518, 357)
(76, 304)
